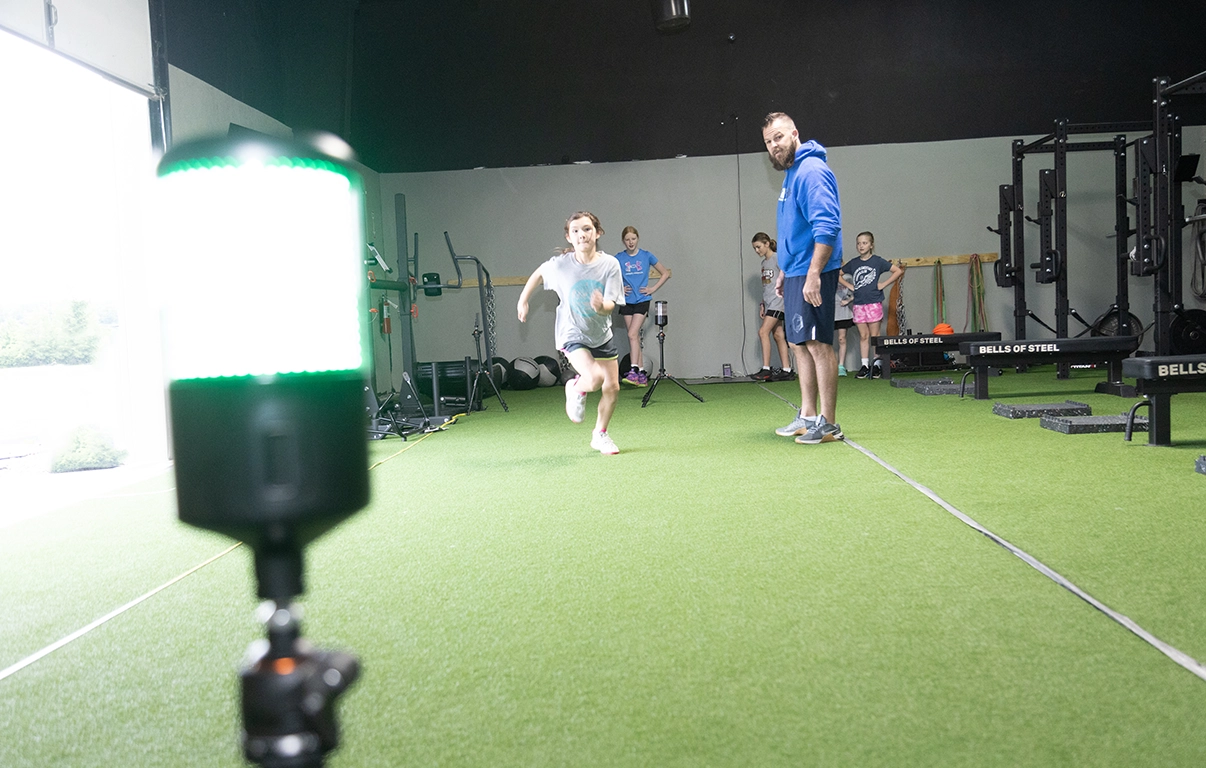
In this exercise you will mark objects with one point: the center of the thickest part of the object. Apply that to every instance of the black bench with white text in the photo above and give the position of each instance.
(1158, 379)
(1111, 350)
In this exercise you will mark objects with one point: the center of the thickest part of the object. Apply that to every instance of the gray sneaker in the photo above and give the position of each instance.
(798, 427)
(821, 432)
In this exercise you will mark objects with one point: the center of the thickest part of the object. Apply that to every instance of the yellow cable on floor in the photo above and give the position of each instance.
(409, 444)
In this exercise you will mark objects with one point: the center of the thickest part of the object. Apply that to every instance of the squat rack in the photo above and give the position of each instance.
(1160, 171)
(1051, 266)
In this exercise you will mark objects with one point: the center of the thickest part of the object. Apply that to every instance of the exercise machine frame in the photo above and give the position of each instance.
(1051, 266)
(1052, 220)
(1160, 217)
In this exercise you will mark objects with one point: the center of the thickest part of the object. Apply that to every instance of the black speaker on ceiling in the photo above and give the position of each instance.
(671, 15)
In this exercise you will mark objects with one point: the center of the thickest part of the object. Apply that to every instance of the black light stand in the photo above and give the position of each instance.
(387, 416)
(276, 464)
(482, 370)
(660, 318)
(268, 439)
(289, 687)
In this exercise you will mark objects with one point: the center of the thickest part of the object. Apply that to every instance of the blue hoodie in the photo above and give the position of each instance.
(809, 212)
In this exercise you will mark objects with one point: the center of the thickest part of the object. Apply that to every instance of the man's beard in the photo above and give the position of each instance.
(791, 158)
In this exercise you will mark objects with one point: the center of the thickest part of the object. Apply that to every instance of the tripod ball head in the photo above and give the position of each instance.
(289, 692)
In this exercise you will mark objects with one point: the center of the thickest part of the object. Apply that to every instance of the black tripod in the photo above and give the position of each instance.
(483, 370)
(660, 318)
(289, 687)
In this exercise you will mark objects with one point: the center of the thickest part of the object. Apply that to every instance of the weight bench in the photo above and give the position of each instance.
(885, 346)
(1112, 350)
(1158, 379)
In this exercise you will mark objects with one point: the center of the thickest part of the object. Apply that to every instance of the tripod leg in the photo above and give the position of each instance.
(497, 394)
(481, 366)
(684, 388)
(661, 372)
(473, 393)
(649, 392)
(494, 387)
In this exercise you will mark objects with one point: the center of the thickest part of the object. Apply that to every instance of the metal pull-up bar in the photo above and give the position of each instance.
(1198, 80)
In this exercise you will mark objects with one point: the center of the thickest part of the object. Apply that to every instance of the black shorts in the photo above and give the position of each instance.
(840, 324)
(607, 351)
(635, 309)
(774, 313)
(804, 321)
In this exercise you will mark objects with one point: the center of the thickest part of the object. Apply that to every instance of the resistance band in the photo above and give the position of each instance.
(896, 320)
(1197, 278)
(975, 316)
(939, 296)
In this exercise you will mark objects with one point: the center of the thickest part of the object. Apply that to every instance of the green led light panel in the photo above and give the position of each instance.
(263, 267)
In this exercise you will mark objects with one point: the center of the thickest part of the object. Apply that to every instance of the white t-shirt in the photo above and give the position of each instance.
(577, 321)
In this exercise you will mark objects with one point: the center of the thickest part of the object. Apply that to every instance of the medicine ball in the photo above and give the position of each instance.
(525, 373)
(567, 369)
(550, 370)
(500, 371)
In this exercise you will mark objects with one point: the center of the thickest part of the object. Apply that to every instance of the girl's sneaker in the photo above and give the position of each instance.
(602, 442)
(841, 370)
(575, 401)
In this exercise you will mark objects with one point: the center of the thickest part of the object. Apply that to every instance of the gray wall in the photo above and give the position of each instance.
(698, 214)
(200, 110)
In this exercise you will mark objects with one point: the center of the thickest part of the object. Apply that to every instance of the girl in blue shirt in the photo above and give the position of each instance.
(635, 266)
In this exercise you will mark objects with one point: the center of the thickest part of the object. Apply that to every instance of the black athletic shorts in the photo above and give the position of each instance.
(635, 309)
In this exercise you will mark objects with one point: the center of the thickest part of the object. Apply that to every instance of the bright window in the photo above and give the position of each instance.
(79, 336)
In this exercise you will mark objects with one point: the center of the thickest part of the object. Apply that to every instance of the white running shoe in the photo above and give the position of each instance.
(602, 442)
(575, 402)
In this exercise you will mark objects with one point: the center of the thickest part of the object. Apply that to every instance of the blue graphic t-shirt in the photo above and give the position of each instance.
(577, 320)
(635, 268)
(864, 274)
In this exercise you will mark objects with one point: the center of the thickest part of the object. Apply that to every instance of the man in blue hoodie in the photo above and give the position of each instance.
(810, 257)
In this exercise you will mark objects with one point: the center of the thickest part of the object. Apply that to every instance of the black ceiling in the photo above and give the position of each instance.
(422, 85)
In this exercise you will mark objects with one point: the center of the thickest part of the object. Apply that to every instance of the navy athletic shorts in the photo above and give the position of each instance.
(804, 322)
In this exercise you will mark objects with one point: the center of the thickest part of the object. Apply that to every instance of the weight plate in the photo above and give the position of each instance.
(1187, 332)
(1107, 325)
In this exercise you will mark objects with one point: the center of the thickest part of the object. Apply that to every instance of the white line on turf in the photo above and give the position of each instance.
(23, 663)
(1180, 657)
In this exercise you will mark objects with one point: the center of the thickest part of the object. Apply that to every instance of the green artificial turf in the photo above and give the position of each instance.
(713, 595)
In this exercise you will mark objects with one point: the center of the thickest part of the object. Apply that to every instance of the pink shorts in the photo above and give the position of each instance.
(868, 313)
